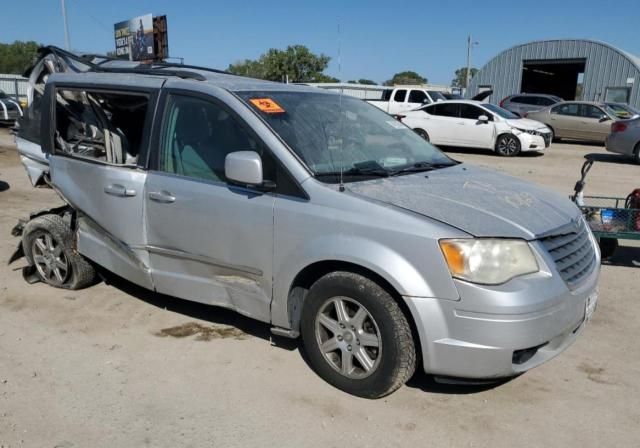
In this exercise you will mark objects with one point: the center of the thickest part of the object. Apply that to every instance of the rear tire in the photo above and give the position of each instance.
(553, 135)
(356, 336)
(422, 133)
(507, 145)
(47, 242)
(636, 154)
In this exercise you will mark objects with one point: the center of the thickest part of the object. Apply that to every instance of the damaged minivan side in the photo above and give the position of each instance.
(316, 213)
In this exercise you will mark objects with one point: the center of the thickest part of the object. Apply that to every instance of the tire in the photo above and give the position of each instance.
(47, 242)
(370, 316)
(553, 135)
(422, 133)
(636, 154)
(507, 145)
(608, 247)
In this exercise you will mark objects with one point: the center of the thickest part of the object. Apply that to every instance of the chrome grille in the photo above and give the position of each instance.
(573, 253)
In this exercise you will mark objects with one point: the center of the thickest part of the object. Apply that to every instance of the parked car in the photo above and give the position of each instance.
(522, 103)
(10, 109)
(401, 99)
(625, 138)
(623, 111)
(475, 124)
(314, 212)
(577, 120)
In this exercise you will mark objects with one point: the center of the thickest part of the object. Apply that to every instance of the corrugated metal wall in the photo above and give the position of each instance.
(606, 66)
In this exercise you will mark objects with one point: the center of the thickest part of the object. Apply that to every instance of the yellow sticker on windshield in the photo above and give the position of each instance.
(267, 105)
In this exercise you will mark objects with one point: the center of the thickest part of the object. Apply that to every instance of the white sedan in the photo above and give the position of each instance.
(477, 125)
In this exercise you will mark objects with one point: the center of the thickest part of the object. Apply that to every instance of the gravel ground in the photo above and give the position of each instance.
(114, 365)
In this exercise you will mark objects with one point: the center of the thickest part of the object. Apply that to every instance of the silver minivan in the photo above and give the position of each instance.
(314, 212)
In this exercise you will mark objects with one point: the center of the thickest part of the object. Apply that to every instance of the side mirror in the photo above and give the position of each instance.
(244, 168)
(483, 119)
(604, 118)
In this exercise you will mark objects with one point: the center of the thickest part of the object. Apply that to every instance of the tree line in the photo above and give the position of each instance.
(296, 63)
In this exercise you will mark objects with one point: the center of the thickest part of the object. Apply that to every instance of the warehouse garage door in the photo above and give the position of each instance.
(556, 77)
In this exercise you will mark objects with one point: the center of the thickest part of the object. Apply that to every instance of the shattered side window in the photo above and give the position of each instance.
(102, 126)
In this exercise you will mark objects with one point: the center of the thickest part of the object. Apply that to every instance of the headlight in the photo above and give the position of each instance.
(526, 131)
(488, 261)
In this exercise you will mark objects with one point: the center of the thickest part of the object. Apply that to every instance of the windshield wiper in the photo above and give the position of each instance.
(370, 168)
(419, 167)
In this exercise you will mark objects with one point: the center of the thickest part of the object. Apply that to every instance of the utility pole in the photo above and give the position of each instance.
(67, 45)
(468, 76)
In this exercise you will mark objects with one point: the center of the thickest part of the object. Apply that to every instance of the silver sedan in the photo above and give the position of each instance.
(625, 138)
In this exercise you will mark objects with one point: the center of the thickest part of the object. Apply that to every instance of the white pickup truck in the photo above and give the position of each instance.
(401, 99)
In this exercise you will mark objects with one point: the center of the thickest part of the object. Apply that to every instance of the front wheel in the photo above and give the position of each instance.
(636, 154)
(356, 336)
(508, 145)
(422, 133)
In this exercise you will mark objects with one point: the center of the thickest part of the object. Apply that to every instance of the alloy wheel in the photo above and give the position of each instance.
(50, 260)
(348, 337)
(508, 146)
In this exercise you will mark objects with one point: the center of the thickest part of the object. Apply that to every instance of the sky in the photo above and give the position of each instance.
(376, 38)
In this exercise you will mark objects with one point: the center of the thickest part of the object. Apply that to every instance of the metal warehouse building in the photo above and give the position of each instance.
(572, 69)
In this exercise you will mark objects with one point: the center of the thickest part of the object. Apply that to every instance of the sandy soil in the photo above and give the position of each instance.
(114, 365)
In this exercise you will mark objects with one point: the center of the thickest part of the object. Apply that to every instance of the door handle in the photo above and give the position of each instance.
(119, 190)
(163, 197)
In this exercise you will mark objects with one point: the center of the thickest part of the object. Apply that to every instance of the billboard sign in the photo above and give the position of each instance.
(134, 38)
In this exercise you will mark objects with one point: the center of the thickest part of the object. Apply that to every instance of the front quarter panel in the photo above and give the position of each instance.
(399, 246)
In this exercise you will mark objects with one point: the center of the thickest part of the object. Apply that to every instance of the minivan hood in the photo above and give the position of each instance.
(525, 123)
(480, 202)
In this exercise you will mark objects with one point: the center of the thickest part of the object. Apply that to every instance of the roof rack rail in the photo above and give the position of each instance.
(158, 69)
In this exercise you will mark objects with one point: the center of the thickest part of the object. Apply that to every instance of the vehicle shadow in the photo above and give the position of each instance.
(578, 142)
(4, 186)
(452, 386)
(486, 152)
(625, 256)
(209, 313)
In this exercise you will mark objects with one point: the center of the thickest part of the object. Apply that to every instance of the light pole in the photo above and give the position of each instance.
(67, 45)
(470, 44)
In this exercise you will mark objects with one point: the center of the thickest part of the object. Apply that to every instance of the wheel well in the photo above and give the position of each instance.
(312, 273)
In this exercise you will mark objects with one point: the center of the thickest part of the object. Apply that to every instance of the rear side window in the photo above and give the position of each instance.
(566, 109)
(517, 99)
(418, 96)
(197, 136)
(446, 110)
(544, 101)
(400, 96)
(101, 126)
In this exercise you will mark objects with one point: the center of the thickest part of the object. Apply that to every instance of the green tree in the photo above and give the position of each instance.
(405, 78)
(366, 82)
(460, 79)
(296, 61)
(17, 57)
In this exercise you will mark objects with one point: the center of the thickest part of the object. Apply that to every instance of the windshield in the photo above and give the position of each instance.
(333, 133)
(499, 111)
(435, 95)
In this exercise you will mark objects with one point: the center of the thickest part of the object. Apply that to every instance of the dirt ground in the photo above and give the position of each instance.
(116, 366)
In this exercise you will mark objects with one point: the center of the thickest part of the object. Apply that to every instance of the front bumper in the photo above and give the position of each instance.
(501, 331)
(529, 142)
